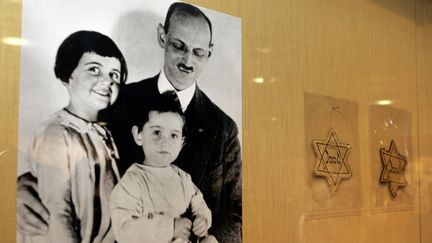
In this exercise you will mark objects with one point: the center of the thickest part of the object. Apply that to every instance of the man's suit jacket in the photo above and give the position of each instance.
(211, 154)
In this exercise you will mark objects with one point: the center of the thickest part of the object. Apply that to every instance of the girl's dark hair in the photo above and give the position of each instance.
(75, 45)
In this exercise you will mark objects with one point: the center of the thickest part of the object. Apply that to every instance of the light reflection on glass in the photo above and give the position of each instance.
(263, 50)
(384, 102)
(14, 41)
(259, 80)
(3, 152)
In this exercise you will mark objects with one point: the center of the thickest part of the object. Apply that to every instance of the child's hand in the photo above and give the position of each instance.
(182, 227)
(199, 227)
(209, 239)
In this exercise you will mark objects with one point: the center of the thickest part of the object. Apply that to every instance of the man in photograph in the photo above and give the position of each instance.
(211, 153)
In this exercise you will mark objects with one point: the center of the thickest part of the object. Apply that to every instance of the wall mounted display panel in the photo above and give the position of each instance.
(394, 181)
(332, 155)
(72, 69)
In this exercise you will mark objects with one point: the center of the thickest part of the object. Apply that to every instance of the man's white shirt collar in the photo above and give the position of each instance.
(185, 96)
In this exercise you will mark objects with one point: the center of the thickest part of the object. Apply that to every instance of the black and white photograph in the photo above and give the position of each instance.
(130, 120)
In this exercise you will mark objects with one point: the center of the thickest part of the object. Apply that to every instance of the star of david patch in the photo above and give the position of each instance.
(331, 159)
(393, 168)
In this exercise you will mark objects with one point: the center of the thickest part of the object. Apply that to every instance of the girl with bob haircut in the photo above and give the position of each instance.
(73, 156)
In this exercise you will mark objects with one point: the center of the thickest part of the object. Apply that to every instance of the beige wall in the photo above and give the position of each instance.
(362, 50)
(9, 75)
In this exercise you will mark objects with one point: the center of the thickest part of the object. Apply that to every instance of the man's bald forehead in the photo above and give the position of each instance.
(182, 12)
(184, 16)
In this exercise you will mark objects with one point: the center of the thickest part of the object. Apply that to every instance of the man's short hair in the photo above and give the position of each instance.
(185, 10)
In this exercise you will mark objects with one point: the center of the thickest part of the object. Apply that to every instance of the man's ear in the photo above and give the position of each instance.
(183, 141)
(210, 50)
(137, 135)
(161, 36)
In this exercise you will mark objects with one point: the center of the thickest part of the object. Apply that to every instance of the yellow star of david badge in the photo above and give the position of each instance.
(331, 159)
(394, 168)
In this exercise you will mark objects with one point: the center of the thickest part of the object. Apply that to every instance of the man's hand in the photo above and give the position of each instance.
(32, 216)
(199, 227)
(182, 228)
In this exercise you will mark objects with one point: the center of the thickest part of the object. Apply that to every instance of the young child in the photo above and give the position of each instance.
(151, 199)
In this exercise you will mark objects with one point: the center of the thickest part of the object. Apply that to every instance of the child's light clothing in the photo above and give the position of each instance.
(75, 164)
(147, 199)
